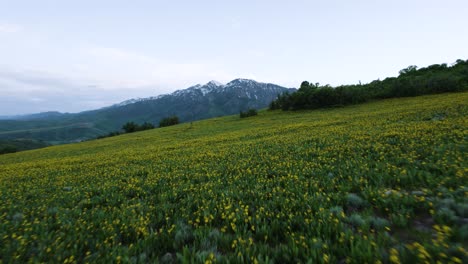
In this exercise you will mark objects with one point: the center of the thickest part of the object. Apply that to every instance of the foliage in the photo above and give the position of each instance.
(128, 127)
(111, 134)
(354, 201)
(250, 112)
(8, 149)
(146, 126)
(169, 121)
(272, 189)
(12, 146)
(131, 127)
(437, 78)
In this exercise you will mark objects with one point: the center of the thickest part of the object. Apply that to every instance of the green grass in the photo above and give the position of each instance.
(384, 181)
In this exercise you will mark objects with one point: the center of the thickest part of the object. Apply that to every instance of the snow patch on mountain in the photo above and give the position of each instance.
(249, 88)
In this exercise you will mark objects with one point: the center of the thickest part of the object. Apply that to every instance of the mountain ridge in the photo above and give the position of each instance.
(203, 88)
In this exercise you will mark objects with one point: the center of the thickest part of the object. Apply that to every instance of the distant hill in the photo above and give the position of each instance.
(11, 146)
(43, 115)
(194, 103)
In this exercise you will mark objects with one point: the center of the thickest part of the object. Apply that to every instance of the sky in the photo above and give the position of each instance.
(71, 56)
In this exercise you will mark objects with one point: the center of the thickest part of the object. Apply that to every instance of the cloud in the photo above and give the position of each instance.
(121, 67)
(36, 99)
(26, 91)
(235, 24)
(29, 80)
(95, 77)
(118, 54)
(31, 91)
(9, 28)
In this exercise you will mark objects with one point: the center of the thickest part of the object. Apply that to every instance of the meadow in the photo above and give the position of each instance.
(381, 182)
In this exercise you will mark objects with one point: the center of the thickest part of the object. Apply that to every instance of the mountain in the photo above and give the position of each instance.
(194, 103)
(43, 115)
(198, 102)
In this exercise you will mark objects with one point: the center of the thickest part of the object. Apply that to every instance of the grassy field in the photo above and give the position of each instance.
(382, 182)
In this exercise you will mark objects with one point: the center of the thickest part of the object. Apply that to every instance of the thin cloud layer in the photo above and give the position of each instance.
(9, 28)
(74, 56)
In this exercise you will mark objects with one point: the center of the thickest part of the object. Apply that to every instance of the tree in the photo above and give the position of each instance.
(130, 127)
(8, 149)
(437, 78)
(250, 112)
(169, 121)
(146, 126)
(409, 69)
(304, 86)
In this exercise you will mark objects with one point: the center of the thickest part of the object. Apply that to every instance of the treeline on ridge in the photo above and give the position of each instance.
(437, 78)
(131, 127)
(249, 112)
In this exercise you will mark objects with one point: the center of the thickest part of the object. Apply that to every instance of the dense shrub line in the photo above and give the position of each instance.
(8, 149)
(131, 127)
(250, 112)
(437, 78)
(169, 121)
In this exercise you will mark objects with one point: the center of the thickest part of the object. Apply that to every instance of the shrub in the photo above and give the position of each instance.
(445, 216)
(169, 121)
(336, 210)
(146, 126)
(378, 223)
(356, 220)
(8, 149)
(130, 127)
(353, 200)
(250, 112)
(111, 134)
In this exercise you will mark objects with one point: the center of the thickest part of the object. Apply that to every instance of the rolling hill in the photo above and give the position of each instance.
(381, 182)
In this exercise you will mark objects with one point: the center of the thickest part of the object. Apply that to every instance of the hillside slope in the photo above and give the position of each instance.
(379, 181)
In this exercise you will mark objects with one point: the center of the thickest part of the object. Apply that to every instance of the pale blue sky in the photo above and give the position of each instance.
(80, 55)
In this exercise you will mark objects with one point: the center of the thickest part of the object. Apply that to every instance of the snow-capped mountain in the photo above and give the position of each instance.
(239, 88)
(199, 101)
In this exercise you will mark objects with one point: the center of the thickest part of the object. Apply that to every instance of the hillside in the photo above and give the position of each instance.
(194, 103)
(10, 146)
(381, 181)
(411, 81)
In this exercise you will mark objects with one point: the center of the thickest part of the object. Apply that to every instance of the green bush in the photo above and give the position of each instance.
(131, 127)
(8, 149)
(353, 200)
(356, 220)
(111, 134)
(250, 112)
(378, 223)
(169, 121)
(445, 216)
